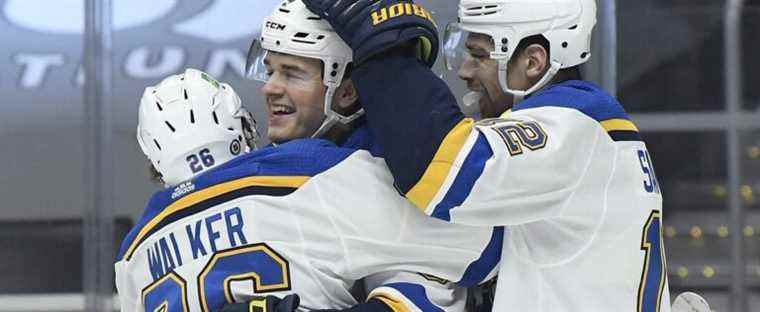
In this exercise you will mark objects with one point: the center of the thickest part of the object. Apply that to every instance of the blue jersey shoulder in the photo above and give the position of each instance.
(580, 95)
(302, 158)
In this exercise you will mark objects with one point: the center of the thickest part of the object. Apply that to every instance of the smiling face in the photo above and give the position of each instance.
(481, 73)
(294, 95)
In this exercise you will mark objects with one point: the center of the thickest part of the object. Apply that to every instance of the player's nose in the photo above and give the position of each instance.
(272, 88)
(466, 71)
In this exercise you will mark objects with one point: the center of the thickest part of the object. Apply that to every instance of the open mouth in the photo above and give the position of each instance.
(282, 110)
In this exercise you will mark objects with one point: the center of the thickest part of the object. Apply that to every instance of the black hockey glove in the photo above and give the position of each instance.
(371, 27)
(265, 304)
(372, 305)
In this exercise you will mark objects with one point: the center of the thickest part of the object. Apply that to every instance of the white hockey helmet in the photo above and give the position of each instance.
(190, 123)
(293, 29)
(566, 24)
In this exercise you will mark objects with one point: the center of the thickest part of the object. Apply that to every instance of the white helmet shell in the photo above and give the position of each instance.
(293, 29)
(566, 24)
(190, 123)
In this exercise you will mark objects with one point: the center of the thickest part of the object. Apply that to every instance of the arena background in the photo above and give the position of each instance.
(73, 179)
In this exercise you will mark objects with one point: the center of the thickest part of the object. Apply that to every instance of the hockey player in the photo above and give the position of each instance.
(561, 165)
(271, 211)
(234, 224)
(305, 71)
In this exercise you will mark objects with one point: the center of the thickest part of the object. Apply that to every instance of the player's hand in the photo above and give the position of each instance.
(265, 304)
(371, 27)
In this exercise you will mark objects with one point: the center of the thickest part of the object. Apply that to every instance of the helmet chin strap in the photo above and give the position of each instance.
(331, 117)
(519, 95)
(327, 124)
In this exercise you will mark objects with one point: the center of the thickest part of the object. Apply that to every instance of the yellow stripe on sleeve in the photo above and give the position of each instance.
(216, 190)
(619, 125)
(395, 305)
(432, 180)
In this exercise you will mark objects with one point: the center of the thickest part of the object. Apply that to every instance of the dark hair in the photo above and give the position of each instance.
(155, 176)
(570, 73)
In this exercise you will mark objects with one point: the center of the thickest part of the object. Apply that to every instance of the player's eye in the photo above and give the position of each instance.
(268, 71)
(296, 74)
(479, 56)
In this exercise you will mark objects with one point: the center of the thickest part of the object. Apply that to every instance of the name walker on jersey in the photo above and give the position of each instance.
(200, 237)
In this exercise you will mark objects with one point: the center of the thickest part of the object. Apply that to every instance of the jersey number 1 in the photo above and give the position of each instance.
(654, 273)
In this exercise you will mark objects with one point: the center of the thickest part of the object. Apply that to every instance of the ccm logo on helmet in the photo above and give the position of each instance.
(275, 26)
(384, 14)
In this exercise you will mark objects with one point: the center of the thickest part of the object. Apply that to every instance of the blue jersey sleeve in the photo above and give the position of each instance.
(409, 110)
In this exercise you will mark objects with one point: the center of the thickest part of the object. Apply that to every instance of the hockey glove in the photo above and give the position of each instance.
(372, 305)
(371, 27)
(265, 304)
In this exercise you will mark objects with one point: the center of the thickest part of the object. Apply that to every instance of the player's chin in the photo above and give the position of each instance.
(278, 134)
(285, 132)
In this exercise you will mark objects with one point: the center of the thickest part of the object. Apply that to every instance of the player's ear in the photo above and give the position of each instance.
(536, 60)
(346, 95)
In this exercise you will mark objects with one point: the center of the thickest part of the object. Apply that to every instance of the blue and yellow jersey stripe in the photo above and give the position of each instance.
(469, 173)
(443, 165)
(413, 293)
(404, 294)
(619, 124)
(621, 130)
(209, 197)
(590, 100)
(432, 180)
(271, 171)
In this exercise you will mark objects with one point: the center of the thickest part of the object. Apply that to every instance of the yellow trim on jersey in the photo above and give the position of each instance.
(216, 190)
(252, 276)
(423, 192)
(258, 303)
(395, 305)
(646, 245)
(619, 125)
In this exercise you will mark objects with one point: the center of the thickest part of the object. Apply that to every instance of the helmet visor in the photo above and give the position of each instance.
(289, 71)
(454, 47)
(255, 69)
(468, 53)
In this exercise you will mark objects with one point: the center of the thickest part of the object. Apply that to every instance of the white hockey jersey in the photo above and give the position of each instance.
(305, 217)
(568, 175)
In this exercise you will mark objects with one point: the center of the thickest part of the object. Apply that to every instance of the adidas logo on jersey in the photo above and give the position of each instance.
(183, 189)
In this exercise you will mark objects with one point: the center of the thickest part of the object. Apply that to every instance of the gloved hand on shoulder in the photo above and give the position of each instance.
(371, 27)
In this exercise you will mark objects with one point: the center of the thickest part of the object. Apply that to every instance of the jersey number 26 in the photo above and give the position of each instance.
(257, 263)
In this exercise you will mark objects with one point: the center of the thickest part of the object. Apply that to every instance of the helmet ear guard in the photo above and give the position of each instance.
(190, 123)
